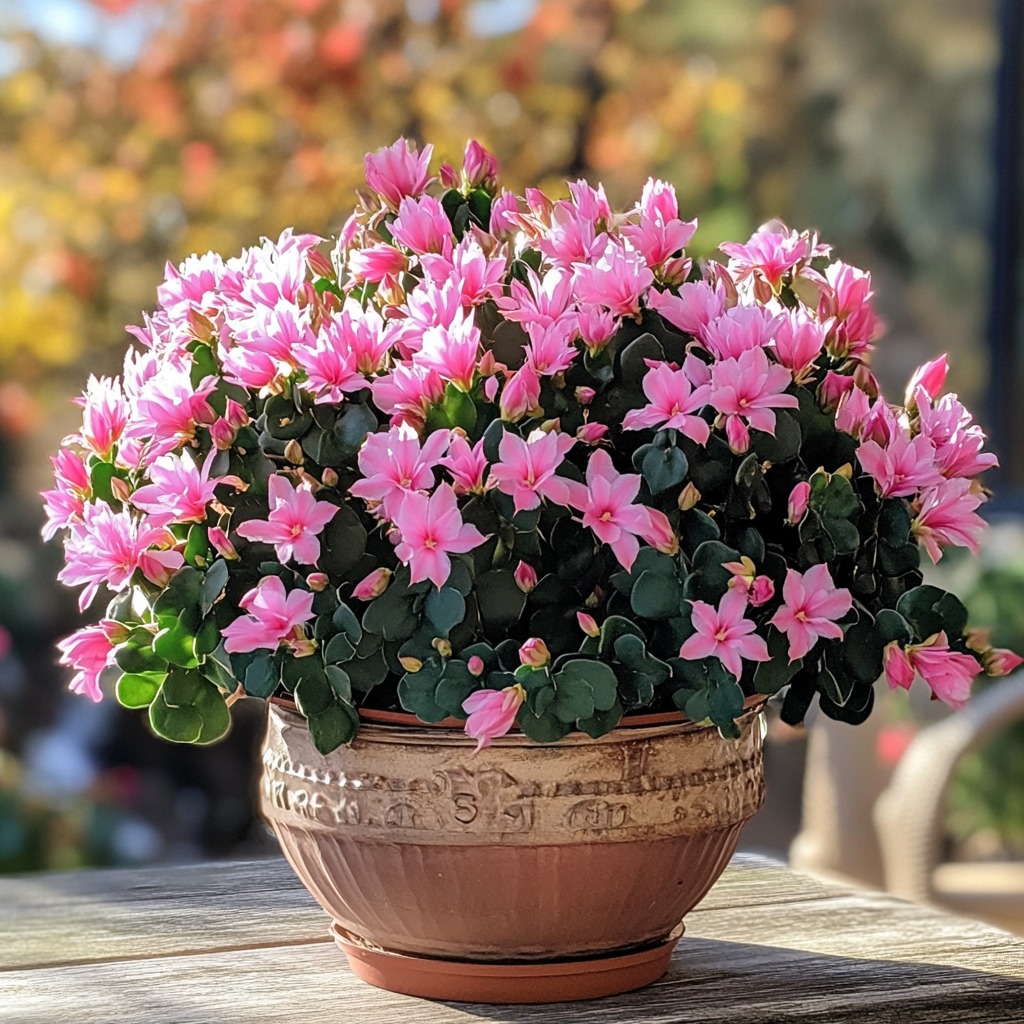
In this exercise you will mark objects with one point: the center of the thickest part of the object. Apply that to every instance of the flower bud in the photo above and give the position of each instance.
(235, 414)
(293, 453)
(120, 489)
(534, 653)
(761, 591)
(591, 433)
(588, 624)
(931, 377)
(688, 497)
(476, 665)
(446, 176)
(301, 646)
(199, 326)
(116, 632)
(442, 646)
(317, 581)
(219, 539)
(372, 586)
(898, 670)
(659, 533)
(585, 395)
(998, 661)
(799, 499)
(329, 478)
(319, 263)
(479, 167)
(737, 434)
(490, 388)
(222, 434)
(526, 577)
(411, 664)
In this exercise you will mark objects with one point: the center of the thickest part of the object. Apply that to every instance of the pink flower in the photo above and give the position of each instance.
(104, 415)
(999, 661)
(479, 167)
(799, 499)
(958, 440)
(799, 341)
(476, 278)
(948, 673)
(738, 330)
(812, 604)
(393, 465)
(376, 262)
(179, 490)
(527, 469)
(263, 353)
(673, 403)
(373, 585)
(330, 366)
(931, 376)
(592, 433)
(492, 713)
(946, 515)
(108, 547)
(724, 633)
(542, 300)
(274, 617)
(452, 351)
(66, 502)
(525, 577)
(660, 233)
(88, 651)
(407, 393)
(397, 171)
(853, 410)
(696, 305)
(846, 299)
(504, 214)
(770, 253)
(615, 280)
(295, 521)
(597, 327)
(534, 653)
(467, 465)
(607, 506)
(659, 533)
(746, 390)
(431, 529)
(551, 349)
(520, 395)
(904, 467)
(422, 226)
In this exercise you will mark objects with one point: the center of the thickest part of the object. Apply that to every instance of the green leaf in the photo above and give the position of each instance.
(456, 684)
(598, 676)
(334, 726)
(837, 686)
(930, 610)
(544, 728)
(771, 676)
(861, 652)
(500, 600)
(175, 643)
(261, 676)
(100, 476)
(843, 534)
(632, 363)
(343, 543)
(313, 691)
(366, 673)
(612, 628)
(785, 445)
(655, 596)
(602, 722)
(340, 682)
(214, 581)
(890, 625)
(339, 649)
(177, 724)
(725, 704)
(416, 693)
(354, 423)
(445, 609)
(630, 650)
(188, 708)
(138, 659)
(663, 468)
(138, 690)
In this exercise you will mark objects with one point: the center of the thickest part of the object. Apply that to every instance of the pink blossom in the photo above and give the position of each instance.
(761, 591)
(263, 352)
(659, 533)
(397, 171)
(592, 433)
(696, 305)
(393, 465)
(318, 582)
(108, 547)
(550, 349)
(453, 351)
(66, 502)
(902, 468)
(467, 465)
(475, 276)
(422, 226)
(431, 529)
(294, 523)
(999, 661)
(947, 515)
(607, 506)
(88, 651)
(373, 585)
(492, 713)
(527, 470)
(769, 254)
(520, 395)
(853, 410)
(799, 499)
(597, 327)
(330, 363)
(572, 237)
(525, 577)
(168, 407)
(812, 604)
(588, 624)
(673, 403)
(376, 262)
(221, 544)
(846, 300)
(948, 673)
(799, 341)
(724, 633)
(504, 214)
(738, 330)
(958, 440)
(274, 616)
(660, 233)
(534, 653)
(407, 393)
(931, 376)
(542, 300)
(479, 167)
(615, 280)
(179, 490)
(746, 391)
(193, 284)
(104, 415)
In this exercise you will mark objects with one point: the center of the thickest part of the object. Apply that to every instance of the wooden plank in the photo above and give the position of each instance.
(88, 916)
(861, 958)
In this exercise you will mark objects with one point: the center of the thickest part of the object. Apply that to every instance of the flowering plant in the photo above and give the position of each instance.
(517, 461)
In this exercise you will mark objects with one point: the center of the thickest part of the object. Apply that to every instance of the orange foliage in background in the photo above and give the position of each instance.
(240, 117)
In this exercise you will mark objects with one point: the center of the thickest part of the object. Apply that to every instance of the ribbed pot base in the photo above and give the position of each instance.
(548, 981)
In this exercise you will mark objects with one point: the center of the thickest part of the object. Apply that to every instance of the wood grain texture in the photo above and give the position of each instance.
(242, 943)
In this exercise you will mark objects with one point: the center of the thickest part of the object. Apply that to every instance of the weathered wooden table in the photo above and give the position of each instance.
(243, 942)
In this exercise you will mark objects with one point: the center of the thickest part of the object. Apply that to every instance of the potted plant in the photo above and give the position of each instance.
(517, 515)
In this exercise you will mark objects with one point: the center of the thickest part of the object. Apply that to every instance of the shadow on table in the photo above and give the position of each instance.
(745, 983)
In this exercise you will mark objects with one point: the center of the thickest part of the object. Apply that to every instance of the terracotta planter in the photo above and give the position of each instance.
(520, 873)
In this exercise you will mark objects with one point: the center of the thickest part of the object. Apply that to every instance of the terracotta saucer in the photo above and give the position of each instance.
(542, 982)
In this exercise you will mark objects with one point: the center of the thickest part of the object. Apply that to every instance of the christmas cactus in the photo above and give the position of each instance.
(516, 461)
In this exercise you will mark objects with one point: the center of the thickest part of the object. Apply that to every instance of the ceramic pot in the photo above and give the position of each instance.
(523, 872)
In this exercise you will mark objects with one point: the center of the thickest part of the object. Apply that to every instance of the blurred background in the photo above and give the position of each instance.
(135, 131)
